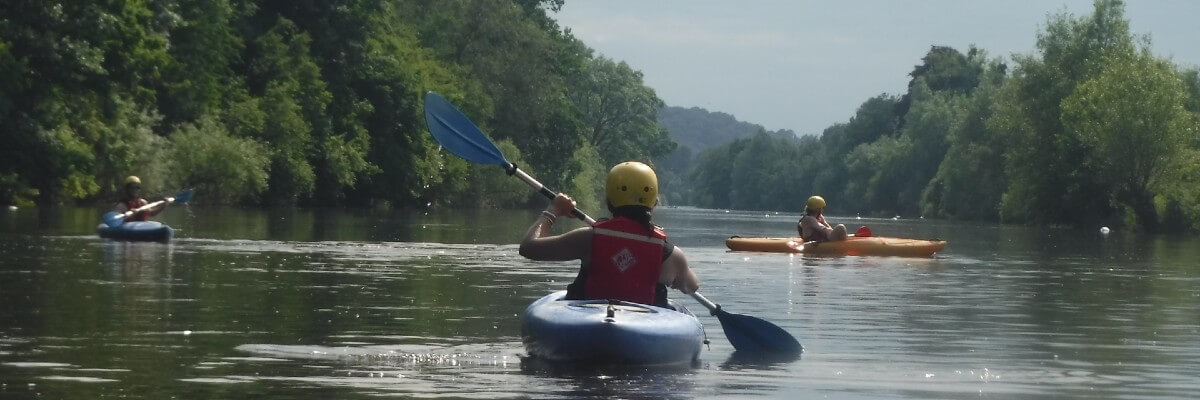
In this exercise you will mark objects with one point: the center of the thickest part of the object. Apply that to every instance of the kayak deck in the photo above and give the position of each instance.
(143, 231)
(604, 332)
(853, 246)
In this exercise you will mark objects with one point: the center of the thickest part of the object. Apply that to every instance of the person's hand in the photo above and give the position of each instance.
(561, 205)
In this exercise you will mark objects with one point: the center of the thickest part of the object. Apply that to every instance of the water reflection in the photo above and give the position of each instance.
(329, 304)
(754, 360)
(611, 381)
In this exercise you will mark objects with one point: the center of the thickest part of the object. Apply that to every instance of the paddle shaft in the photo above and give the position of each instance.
(545, 191)
(457, 134)
(712, 307)
(147, 207)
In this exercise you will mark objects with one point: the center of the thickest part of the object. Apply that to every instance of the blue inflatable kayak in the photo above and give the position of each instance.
(142, 231)
(603, 332)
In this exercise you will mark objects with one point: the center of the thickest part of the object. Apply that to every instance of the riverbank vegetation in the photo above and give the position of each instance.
(319, 103)
(1091, 128)
(283, 102)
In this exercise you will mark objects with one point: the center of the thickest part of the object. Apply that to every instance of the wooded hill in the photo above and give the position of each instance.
(279, 101)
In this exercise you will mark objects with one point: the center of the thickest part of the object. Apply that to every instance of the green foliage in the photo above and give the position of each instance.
(695, 130)
(1178, 202)
(491, 188)
(619, 113)
(975, 154)
(1130, 119)
(1090, 128)
(13, 191)
(320, 103)
(224, 168)
(759, 174)
(1191, 84)
(588, 174)
(525, 61)
(1047, 168)
(331, 90)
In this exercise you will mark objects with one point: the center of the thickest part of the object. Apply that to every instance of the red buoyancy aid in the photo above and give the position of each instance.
(139, 216)
(626, 261)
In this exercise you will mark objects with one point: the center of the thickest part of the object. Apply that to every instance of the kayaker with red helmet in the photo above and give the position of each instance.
(622, 258)
(812, 225)
(131, 199)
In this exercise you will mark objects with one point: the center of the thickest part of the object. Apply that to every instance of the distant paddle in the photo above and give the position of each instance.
(458, 135)
(115, 219)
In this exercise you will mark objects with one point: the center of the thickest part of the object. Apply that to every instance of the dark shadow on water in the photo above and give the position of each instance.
(749, 360)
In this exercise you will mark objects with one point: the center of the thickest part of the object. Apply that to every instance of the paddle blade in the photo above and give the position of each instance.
(457, 134)
(184, 196)
(863, 231)
(113, 219)
(756, 336)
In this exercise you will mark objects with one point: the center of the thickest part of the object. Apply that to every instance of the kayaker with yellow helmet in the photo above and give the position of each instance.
(131, 199)
(812, 225)
(622, 258)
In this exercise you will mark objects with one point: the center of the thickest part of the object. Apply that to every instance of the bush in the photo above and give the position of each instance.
(222, 168)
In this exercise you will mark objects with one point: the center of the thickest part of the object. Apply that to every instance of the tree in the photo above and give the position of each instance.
(223, 167)
(970, 180)
(619, 112)
(1131, 120)
(1047, 172)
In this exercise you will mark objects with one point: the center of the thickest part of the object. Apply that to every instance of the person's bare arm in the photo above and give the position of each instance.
(677, 274)
(538, 246)
(573, 245)
(812, 225)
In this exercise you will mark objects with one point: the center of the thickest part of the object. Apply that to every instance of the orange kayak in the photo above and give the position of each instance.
(853, 246)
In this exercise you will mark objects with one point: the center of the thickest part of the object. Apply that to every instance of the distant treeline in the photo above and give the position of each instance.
(299, 102)
(311, 102)
(1091, 128)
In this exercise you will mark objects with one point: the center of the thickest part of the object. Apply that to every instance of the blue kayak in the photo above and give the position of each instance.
(141, 231)
(604, 332)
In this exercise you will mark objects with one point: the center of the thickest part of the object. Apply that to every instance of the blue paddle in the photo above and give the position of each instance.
(115, 219)
(460, 136)
(457, 134)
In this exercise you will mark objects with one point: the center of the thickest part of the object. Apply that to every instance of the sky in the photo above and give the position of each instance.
(805, 65)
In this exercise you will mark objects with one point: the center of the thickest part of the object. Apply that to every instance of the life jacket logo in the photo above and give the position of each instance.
(624, 259)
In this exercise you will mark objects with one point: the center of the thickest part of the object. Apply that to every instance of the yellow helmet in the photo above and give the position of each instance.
(632, 183)
(816, 202)
(132, 180)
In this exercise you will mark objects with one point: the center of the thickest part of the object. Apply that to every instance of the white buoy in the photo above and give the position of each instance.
(12, 208)
(1104, 230)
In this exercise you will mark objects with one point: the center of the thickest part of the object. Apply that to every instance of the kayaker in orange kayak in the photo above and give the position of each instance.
(812, 225)
(131, 199)
(622, 258)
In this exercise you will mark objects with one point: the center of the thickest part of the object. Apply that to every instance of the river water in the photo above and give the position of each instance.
(295, 304)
